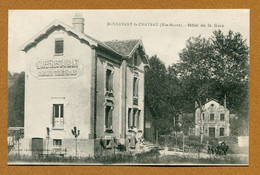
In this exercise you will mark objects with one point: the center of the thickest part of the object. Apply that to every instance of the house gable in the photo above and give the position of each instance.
(53, 27)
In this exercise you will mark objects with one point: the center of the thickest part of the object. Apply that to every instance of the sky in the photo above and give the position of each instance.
(163, 32)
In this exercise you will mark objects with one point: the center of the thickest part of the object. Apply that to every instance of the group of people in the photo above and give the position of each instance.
(219, 149)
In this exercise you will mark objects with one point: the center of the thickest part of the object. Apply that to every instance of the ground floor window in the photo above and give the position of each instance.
(57, 142)
(133, 118)
(58, 113)
(212, 132)
(108, 117)
(221, 132)
(130, 117)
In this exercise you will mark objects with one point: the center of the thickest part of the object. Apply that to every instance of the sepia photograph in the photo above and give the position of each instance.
(128, 87)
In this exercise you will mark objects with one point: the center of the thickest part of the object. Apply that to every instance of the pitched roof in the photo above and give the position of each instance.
(124, 47)
(54, 24)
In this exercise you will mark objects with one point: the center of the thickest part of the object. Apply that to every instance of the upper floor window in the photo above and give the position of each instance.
(211, 117)
(222, 117)
(58, 111)
(203, 116)
(109, 80)
(221, 131)
(59, 46)
(135, 88)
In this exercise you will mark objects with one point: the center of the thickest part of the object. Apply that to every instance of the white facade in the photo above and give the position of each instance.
(212, 119)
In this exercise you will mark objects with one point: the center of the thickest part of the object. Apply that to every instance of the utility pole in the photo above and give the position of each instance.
(183, 141)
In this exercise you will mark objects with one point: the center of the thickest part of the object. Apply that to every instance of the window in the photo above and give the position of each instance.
(203, 116)
(135, 88)
(108, 117)
(57, 142)
(58, 112)
(109, 80)
(135, 59)
(222, 117)
(211, 116)
(221, 132)
(59, 46)
(130, 117)
(133, 118)
(136, 118)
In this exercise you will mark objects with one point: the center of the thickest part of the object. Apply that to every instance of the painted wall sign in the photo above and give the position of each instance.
(60, 68)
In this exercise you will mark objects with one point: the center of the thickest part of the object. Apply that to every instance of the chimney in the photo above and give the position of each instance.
(78, 22)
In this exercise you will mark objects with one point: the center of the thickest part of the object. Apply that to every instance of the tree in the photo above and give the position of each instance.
(216, 67)
(16, 100)
(76, 133)
(158, 92)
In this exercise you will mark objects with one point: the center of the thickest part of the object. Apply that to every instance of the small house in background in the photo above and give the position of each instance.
(212, 119)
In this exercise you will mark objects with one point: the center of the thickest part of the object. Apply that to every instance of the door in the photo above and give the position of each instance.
(212, 132)
(37, 146)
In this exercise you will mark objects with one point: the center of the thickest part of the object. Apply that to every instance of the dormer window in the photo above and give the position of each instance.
(135, 59)
(59, 46)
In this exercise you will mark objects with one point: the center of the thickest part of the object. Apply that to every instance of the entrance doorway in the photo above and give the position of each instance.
(212, 132)
(37, 146)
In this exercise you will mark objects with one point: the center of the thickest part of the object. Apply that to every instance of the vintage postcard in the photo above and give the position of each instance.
(128, 87)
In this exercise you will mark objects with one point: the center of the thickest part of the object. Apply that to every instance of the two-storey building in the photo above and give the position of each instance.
(73, 80)
(212, 119)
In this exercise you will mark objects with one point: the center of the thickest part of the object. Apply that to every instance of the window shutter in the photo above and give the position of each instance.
(134, 117)
(110, 118)
(53, 115)
(134, 87)
(111, 81)
(106, 119)
(137, 86)
(61, 110)
(138, 118)
(129, 117)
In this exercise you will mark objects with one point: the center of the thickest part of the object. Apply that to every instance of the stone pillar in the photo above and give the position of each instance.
(92, 134)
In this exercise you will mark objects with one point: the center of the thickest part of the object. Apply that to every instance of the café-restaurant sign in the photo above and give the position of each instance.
(57, 68)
